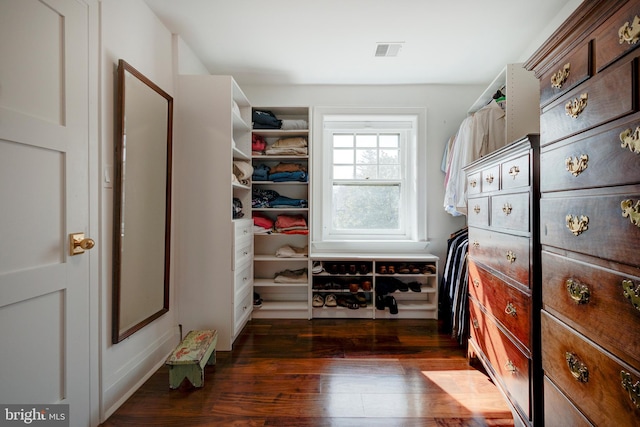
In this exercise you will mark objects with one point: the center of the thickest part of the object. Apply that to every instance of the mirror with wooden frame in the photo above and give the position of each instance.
(142, 202)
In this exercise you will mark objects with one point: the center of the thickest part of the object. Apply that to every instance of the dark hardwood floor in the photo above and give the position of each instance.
(322, 372)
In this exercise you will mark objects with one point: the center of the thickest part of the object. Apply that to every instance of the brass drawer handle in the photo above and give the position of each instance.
(476, 325)
(631, 291)
(578, 369)
(476, 209)
(489, 178)
(576, 107)
(578, 165)
(507, 208)
(631, 212)
(630, 32)
(578, 292)
(514, 171)
(577, 226)
(510, 367)
(631, 388)
(510, 309)
(560, 77)
(476, 244)
(473, 183)
(476, 283)
(511, 257)
(631, 139)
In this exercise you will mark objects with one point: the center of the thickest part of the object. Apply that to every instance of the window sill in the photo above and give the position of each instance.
(369, 246)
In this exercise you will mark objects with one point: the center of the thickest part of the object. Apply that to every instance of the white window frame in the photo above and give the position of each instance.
(411, 124)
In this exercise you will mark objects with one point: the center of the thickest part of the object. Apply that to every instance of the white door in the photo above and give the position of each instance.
(44, 196)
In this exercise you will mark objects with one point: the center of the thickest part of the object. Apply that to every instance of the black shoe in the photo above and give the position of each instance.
(415, 287)
(380, 302)
(390, 302)
(257, 301)
(403, 287)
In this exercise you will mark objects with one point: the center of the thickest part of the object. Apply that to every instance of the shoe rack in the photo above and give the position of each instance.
(374, 287)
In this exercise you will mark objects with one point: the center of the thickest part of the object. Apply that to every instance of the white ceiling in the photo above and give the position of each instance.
(334, 41)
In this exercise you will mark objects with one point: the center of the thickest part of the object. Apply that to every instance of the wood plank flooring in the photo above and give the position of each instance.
(327, 372)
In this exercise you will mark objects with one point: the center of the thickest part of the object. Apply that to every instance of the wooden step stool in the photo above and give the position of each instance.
(197, 349)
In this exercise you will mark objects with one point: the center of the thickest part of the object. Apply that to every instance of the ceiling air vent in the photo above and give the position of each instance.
(388, 49)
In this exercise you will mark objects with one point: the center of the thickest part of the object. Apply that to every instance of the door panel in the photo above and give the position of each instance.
(44, 143)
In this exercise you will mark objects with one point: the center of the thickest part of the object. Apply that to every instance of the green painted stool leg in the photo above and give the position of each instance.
(194, 373)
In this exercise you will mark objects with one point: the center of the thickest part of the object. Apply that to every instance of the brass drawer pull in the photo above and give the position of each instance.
(576, 107)
(560, 77)
(630, 211)
(578, 292)
(631, 388)
(489, 178)
(631, 139)
(578, 165)
(476, 325)
(507, 208)
(514, 171)
(473, 183)
(510, 309)
(510, 367)
(631, 291)
(578, 369)
(630, 32)
(577, 226)
(476, 209)
(476, 283)
(476, 244)
(511, 257)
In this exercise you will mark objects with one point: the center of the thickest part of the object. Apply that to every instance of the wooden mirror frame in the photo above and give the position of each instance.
(121, 331)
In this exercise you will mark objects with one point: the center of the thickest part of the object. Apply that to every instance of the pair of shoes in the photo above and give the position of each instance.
(318, 300)
(380, 302)
(348, 302)
(366, 285)
(354, 287)
(415, 286)
(317, 267)
(387, 269)
(391, 302)
(428, 269)
(330, 300)
(257, 301)
(364, 269)
(362, 299)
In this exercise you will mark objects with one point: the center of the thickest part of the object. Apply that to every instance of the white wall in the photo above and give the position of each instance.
(446, 108)
(129, 31)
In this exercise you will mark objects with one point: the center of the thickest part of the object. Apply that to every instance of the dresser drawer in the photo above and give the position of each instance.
(510, 306)
(559, 411)
(586, 223)
(592, 377)
(515, 173)
(510, 365)
(242, 230)
(490, 179)
(603, 98)
(602, 157)
(243, 277)
(473, 183)
(478, 214)
(242, 253)
(613, 39)
(511, 211)
(592, 301)
(503, 252)
(569, 72)
(242, 309)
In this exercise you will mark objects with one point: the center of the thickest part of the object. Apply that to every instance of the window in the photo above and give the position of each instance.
(367, 190)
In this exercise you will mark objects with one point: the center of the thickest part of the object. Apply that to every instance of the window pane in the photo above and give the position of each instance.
(366, 140)
(342, 140)
(389, 172)
(389, 141)
(343, 172)
(389, 157)
(366, 157)
(342, 156)
(366, 207)
(366, 172)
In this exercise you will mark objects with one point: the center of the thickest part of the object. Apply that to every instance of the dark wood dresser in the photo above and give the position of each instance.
(589, 73)
(503, 294)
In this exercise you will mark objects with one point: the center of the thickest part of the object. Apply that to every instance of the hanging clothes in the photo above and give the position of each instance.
(453, 299)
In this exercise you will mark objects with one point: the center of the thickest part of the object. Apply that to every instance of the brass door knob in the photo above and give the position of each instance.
(78, 244)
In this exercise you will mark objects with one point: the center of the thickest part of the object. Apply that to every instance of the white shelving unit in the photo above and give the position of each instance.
(215, 272)
(411, 304)
(282, 300)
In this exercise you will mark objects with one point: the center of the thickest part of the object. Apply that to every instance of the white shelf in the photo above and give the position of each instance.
(240, 155)
(260, 283)
(279, 258)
